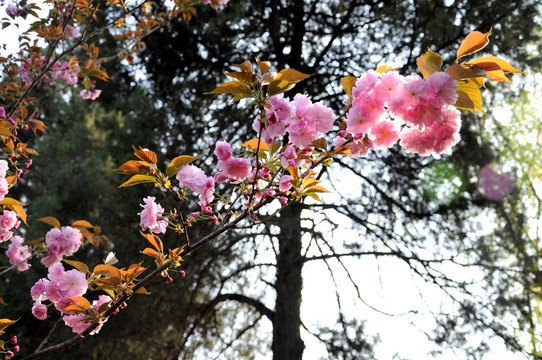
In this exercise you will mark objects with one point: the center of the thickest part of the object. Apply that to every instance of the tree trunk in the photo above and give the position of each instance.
(287, 343)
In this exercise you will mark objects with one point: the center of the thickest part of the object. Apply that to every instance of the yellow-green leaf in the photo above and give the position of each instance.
(469, 96)
(475, 41)
(50, 220)
(138, 179)
(429, 63)
(4, 130)
(231, 87)
(348, 83)
(315, 189)
(285, 80)
(253, 144)
(176, 164)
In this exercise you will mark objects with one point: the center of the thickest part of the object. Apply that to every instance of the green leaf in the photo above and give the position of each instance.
(138, 179)
(429, 63)
(176, 164)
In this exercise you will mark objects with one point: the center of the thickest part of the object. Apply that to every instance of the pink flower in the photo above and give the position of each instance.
(4, 187)
(322, 117)
(236, 169)
(385, 134)
(74, 321)
(37, 292)
(73, 239)
(12, 11)
(441, 89)
(39, 311)
(18, 254)
(192, 177)
(288, 158)
(151, 216)
(414, 141)
(5, 235)
(388, 85)
(70, 31)
(223, 150)
(358, 121)
(285, 183)
(4, 166)
(364, 85)
(2, 113)
(90, 95)
(73, 283)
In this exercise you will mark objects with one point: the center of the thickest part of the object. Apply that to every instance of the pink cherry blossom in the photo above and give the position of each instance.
(285, 183)
(236, 169)
(441, 89)
(385, 134)
(223, 150)
(18, 254)
(72, 283)
(90, 94)
(39, 310)
(192, 177)
(151, 216)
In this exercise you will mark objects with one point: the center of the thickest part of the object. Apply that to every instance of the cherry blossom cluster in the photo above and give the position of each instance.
(389, 107)
(18, 254)
(59, 286)
(4, 166)
(195, 179)
(302, 120)
(61, 243)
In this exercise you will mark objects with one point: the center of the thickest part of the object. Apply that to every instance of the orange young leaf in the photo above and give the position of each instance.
(50, 220)
(309, 182)
(319, 143)
(475, 41)
(81, 304)
(108, 270)
(4, 323)
(4, 129)
(348, 84)
(494, 67)
(244, 77)
(150, 252)
(82, 223)
(231, 87)
(246, 66)
(146, 155)
(154, 240)
(263, 65)
(82, 267)
(9, 201)
(459, 72)
(429, 63)
(253, 144)
(20, 211)
(143, 291)
(134, 167)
